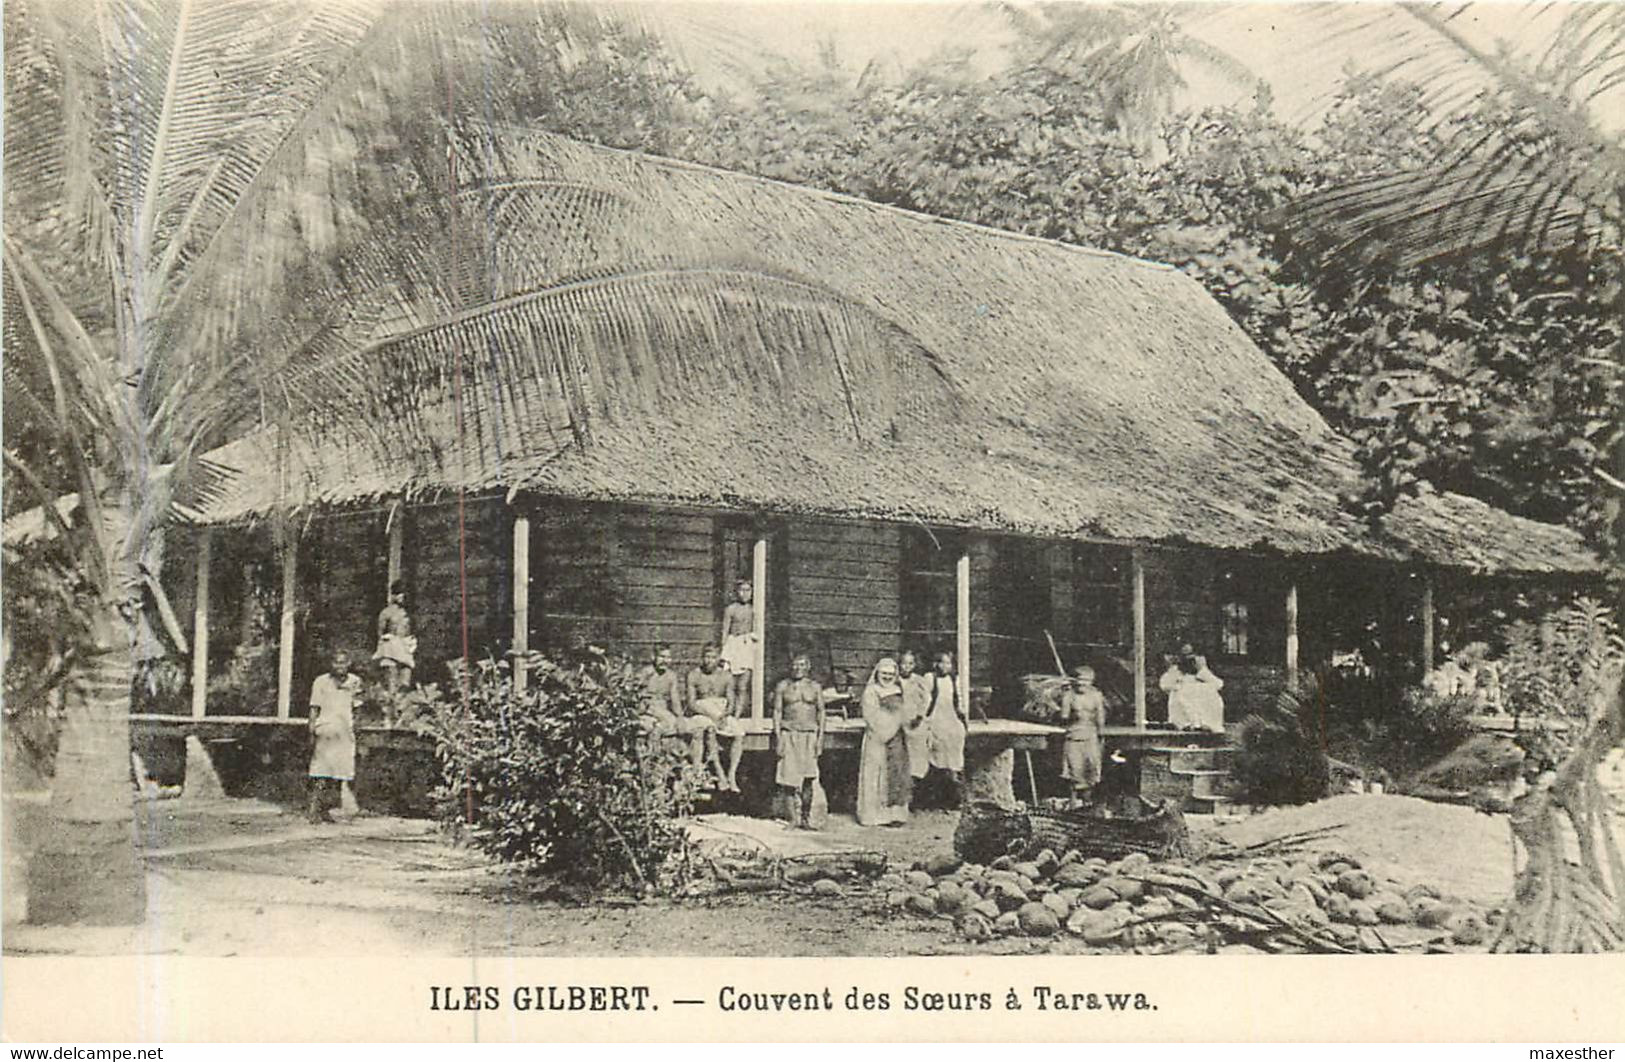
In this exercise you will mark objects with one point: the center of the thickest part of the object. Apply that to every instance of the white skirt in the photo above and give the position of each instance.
(739, 654)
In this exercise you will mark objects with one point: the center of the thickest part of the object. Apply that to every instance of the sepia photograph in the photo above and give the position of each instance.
(737, 480)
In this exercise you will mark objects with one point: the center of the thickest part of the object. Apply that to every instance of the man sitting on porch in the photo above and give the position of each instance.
(663, 713)
(708, 699)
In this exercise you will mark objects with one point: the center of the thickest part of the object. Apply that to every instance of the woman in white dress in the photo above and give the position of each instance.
(884, 785)
(1194, 701)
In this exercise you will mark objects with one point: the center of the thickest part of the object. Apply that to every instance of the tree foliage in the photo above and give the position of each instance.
(561, 777)
(1497, 378)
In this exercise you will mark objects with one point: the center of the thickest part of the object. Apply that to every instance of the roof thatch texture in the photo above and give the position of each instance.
(614, 326)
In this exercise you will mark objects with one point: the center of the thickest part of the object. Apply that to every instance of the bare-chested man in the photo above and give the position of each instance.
(663, 711)
(798, 732)
(708, 699)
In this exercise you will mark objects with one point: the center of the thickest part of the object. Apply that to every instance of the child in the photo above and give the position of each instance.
(708, 698)
(916, 703)
(838, 695)
(798, 733)
(739, 646)
(332, 725)
(396, 646)
(1083, 713)
(946, 725)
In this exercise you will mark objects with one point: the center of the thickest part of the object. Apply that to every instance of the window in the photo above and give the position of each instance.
(1233, 629)
(930, 590)
(1101, 591)
(1252, 612)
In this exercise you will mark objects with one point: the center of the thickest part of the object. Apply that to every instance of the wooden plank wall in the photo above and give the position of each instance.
(574, 593)
(667, 581)
(430, 560)
(343, 567)
(844, 608)
(632, 577)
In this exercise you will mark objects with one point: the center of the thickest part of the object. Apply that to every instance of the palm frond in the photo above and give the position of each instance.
(1544, 176)
(539, 371)
(72, 372)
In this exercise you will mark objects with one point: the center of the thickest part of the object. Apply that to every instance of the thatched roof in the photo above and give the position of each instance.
(667, 333)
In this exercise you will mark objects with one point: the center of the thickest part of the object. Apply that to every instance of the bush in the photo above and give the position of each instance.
(1562, 669)
(1279, 758)
(1387, 730)
(560, 778)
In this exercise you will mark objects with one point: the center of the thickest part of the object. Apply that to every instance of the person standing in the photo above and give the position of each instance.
(798, 733)
(1083, 713)
(884, 782)
(947, 724)
(397, 648)
(739, 646)
(916, 702)
(332, 726)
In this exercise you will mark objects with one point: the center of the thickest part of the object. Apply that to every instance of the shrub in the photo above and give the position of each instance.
(560, 778)
(1563, 669)
(1279, 758)
(1387, 730)
(1427, 727)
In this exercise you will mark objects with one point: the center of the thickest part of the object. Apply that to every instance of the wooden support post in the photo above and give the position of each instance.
(200, 626)
(1139, 638)
(1427, 625)
(758, 599)
(397, 525)
(521, 598)
(962, 631)
(1292, 634)
(290, 589)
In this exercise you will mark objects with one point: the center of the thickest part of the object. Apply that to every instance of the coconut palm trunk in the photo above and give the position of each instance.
(88, 866)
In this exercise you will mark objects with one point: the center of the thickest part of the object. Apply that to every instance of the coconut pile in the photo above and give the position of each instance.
(1275, 901)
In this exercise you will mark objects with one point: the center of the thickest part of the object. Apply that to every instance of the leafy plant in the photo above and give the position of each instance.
(561, 777)
(1279, 758)
(1566, 670)
(1564, 666)
(247, 685)
(1386, 729)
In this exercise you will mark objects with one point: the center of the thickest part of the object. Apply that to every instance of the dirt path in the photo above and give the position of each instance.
(240, 878)
(243, 878)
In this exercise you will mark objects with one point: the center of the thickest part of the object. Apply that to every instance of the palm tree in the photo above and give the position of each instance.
(242, 216)
(1134, 55)
(134, 135)
(183, 181)
(1550, 176)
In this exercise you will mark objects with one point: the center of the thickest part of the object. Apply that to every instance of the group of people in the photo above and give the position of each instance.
(914, 726)
(704, 710)
(915, 722)
(332, 704)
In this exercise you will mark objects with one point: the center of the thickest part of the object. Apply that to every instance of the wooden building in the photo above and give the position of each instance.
(910, 431)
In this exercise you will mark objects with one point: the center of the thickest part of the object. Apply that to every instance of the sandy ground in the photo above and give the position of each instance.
(235, 877)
